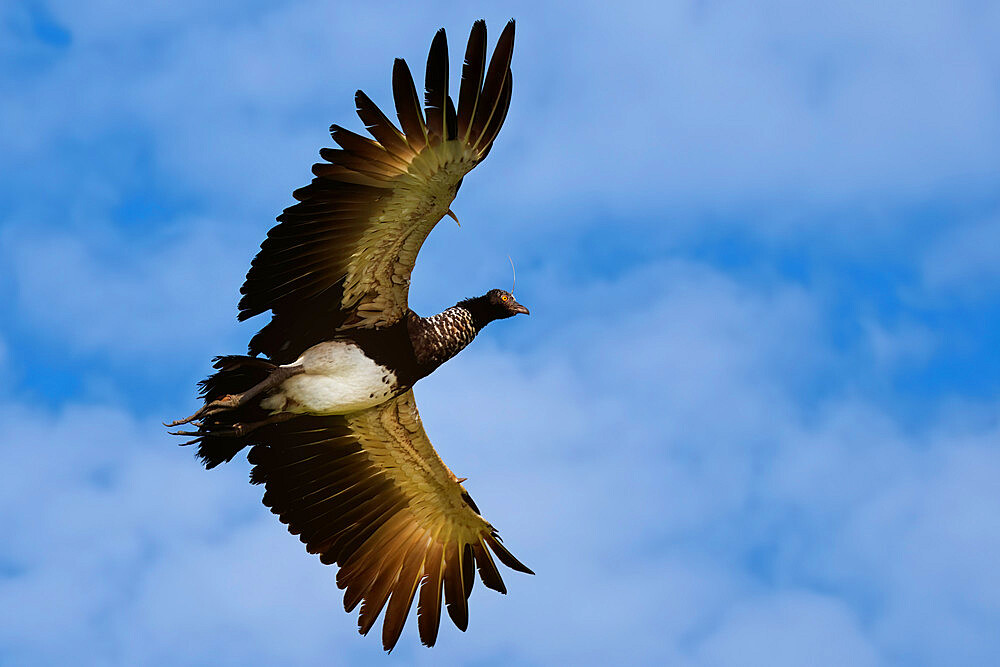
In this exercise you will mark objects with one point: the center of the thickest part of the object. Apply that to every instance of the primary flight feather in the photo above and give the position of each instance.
(328, 410)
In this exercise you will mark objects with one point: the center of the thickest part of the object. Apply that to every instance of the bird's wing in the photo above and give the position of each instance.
(342, 256)
(367, 491)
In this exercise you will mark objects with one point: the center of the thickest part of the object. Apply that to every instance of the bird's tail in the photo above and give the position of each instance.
(222, 432)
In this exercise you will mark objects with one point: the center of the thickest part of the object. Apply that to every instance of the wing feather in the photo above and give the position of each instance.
(358, 571)
(436, 87)
(365, 148)
(473, 71)
(404, 94)
(341, 160)
(367, 491)
(404, 589)
(506, 557)
(429, 605)
(488, 571)
(454, 587)
(493, 127)
(378, 593)
(496, 76)
(350, 540)
(380, 127)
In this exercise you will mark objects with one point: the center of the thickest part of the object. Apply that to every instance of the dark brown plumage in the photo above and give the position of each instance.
(355, 476)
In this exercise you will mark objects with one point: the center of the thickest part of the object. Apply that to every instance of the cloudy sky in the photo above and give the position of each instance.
(753, 419)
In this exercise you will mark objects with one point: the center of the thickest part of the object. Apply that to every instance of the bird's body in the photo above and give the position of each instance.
(324, 400)
(363, 368)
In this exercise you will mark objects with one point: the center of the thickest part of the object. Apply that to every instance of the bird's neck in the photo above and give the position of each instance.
(438, 338)
(480, 310)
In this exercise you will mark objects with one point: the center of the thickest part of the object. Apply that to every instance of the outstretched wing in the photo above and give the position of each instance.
(367, 491)
(342, 256)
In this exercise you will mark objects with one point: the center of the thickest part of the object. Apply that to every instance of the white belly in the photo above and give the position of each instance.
(338, 379)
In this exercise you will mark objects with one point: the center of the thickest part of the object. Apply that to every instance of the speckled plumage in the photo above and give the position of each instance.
(438, 338)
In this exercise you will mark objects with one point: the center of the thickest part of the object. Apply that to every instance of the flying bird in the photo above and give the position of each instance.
(324, 400)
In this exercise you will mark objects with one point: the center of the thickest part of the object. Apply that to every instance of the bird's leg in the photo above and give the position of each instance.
(276, 377)
(238, 430)
(243, 429)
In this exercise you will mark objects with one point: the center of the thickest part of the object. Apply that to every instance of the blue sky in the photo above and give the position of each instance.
(752, 419)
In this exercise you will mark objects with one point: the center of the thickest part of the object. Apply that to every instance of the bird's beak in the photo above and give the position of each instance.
(518, 308)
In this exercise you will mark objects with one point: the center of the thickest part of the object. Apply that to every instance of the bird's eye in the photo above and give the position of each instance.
(503, 298)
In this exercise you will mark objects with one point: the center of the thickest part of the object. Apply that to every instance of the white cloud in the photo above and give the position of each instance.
(639, 467)
(772, 105)
(933, 526)
(685, 457)
(815, 630)
(107, 293)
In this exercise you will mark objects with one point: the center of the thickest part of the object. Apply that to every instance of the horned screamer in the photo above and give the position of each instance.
(325, 401)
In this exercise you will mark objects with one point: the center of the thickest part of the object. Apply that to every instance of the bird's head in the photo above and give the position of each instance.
(502, 304)
(497, 304)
